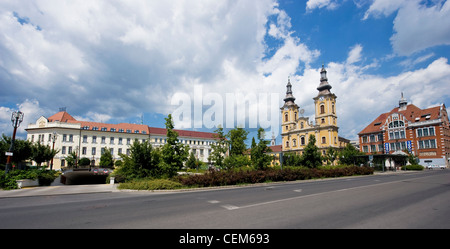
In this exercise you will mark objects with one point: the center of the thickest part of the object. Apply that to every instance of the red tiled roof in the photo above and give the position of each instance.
(65, 117)
(412, 113)
(62, 117)
(276, 148)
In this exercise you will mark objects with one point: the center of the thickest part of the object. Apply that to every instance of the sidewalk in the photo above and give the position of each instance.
(59, 190)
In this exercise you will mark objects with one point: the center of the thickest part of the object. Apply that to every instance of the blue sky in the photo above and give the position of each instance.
(115, 61)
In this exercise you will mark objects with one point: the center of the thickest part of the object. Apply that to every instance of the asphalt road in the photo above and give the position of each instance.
(401, 200)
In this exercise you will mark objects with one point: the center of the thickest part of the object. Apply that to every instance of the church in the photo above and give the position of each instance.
(296, 129)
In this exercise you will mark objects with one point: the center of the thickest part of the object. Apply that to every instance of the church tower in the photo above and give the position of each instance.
(326, 117)
(289, 116)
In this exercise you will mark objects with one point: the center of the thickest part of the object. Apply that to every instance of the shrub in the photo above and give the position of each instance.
(413, 167)
(150, 184)
(234, 177)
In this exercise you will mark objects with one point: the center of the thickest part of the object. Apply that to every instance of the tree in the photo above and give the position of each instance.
(174, 153)
(292, 159)
(71, 159)
(349, 155)
(22, 150)
(237, 138)
(330, 155)
(311, 156)
(219, 148)
(259, 157)
(106, 159)
(143, 161)
(42, 153)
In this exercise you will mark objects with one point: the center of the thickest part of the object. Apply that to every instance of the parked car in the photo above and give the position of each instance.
(434, 166)
(101, 171)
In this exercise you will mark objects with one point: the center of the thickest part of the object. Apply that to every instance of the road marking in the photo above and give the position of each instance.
(230, 207)
(298, 190)
(213, 201)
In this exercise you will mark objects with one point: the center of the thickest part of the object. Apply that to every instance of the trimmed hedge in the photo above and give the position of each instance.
(222, 178)
(150, 184)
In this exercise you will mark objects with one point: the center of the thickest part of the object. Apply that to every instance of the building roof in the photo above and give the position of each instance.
(61, 117)
(412, 113)
(276, 148)
(126, 127)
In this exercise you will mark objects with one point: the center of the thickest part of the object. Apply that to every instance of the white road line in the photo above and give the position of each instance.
(213, 201)
(232, 207)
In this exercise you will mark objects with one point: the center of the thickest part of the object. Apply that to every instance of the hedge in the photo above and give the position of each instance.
(222, 178)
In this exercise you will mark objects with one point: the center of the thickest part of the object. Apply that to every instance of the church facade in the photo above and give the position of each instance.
(296, 129)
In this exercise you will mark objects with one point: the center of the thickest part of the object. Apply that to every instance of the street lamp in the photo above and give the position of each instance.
(53, 148)
(16, 119)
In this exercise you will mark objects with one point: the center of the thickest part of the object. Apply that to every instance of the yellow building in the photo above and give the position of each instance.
(296, 129)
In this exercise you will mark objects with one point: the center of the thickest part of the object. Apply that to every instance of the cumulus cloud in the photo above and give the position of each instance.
(416, 26)
(329, 4)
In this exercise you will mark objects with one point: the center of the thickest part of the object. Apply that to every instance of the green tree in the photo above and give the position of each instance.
(219, 148)
(143, 161)
(42, 153)
(71, 159)
(292, 159)
(259, 157)
(106, 159)
(237, 139)
(330, 155)
(349, 155)
(22, 150)
(174, 153)
(311, 156)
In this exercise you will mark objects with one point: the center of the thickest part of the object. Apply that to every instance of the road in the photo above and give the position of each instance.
(400, 200)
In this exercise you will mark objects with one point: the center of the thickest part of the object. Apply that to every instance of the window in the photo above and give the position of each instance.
(373, 148)
(94, 139)
(322, 109)
(286, 117)
(113, 129)
(425, 132)
(302, 140)
(93, 151)
(365, 148)
(63, 150)
(111, 140)
(104, 129)
(84, 151)
(84, 138)
(287, 144)
(103, 140)
(120, 140)
(372, 138)
(294, 142)
(324, 140)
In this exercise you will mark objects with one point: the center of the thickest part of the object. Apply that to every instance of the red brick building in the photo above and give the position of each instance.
(423, 132)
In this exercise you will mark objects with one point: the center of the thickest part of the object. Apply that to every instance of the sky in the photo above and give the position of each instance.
(221, 62)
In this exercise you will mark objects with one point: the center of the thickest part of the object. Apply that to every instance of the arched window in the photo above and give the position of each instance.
(294, 142)
(302, 140)
(287, 144)
(324, 140)
(322, 109)
(286, 117)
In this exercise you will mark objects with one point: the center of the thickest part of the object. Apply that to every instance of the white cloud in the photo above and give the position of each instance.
(355, 54)
(416, 26)
(329, 4)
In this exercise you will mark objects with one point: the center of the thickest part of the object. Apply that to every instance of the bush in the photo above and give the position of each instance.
(45, 177)
(413, 167)
(150, 184)
(234, 177)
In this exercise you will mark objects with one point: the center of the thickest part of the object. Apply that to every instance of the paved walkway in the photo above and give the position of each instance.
(59, 190)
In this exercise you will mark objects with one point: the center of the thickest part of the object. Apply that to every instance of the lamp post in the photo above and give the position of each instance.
(53, 148)
(16, 119)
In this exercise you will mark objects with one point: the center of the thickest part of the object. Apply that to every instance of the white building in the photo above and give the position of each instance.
(90, 139)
